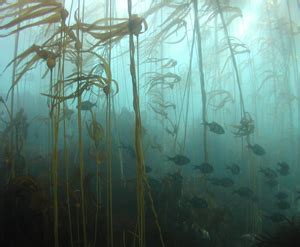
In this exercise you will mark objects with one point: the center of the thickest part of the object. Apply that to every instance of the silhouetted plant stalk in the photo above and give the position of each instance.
(14, 70)
(80, 139)
(296, 70)
(107, 90)
(202, 81)
(232, 57)
(55, 120)
(65, 144)
(140, 166)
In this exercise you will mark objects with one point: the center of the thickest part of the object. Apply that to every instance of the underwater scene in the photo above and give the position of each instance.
(134, 123)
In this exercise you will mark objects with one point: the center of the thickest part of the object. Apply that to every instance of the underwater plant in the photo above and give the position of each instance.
(286, 234)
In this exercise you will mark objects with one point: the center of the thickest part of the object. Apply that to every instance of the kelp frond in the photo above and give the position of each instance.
(45, 12)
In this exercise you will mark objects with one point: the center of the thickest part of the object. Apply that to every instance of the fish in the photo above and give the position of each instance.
(204, 234)
(2, 100)
(129, 149)
(38, 160)
(214, 181)
(198, 202)
(215, 127)
(275, 217)
(171, 132)
(97, 155)
(255, 199)
(257, 149)
(154, 184)
(272, 183)
(281, 195)
(68, 113)
(205, 168)
(179, 160)
(244, 192)
(249, 237)
(268, 173)
(234, 169)
(283, 205)
(148, 169)
(87, 105)
(95, 131)
(284, 168)
(158, 147)
(224, 182)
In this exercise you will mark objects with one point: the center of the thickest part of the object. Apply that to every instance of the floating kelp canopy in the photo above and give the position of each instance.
(121, 120)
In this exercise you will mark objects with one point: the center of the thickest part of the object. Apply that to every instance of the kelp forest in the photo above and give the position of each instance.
(134, 123)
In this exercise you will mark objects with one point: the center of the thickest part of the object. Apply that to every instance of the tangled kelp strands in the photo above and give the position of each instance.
(149, 123)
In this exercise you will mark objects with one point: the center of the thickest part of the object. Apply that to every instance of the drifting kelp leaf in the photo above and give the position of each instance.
(180, 12)
(84, 82)
(173, 131)
(170, 64)
(173, 24)
(176, 25)
(50, 20)
(167, 79)
(237, 45)
(112, 33)
(211, 10)
(28, 66)
(55, 10)
(164, 105)
(26, 14)
(46, 55)
(155, 7)
(159, 112)
(60, 99)
(270, 75)
(246, 126)
(95, 131)
(22, 56)
(41, 53)
(233, 17)
(223, 96)
(22, 3)
(86, 27)
(163, 62)
(71, 37)
(237, 48)
(105, 66)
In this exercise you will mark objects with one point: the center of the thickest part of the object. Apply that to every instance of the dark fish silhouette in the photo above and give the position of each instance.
(257, 149)
(275, 217)
(268, 173)
(272, 183)
(148, 169)
(179, 160)
(215, 128)
(281, 195)
(129, 149)
(214, 181)
(224, 182)
(234, 168)
(205, 168)
(283, 205)
(87, 105)
(198, 202)
(284, 168)
(244, 192)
